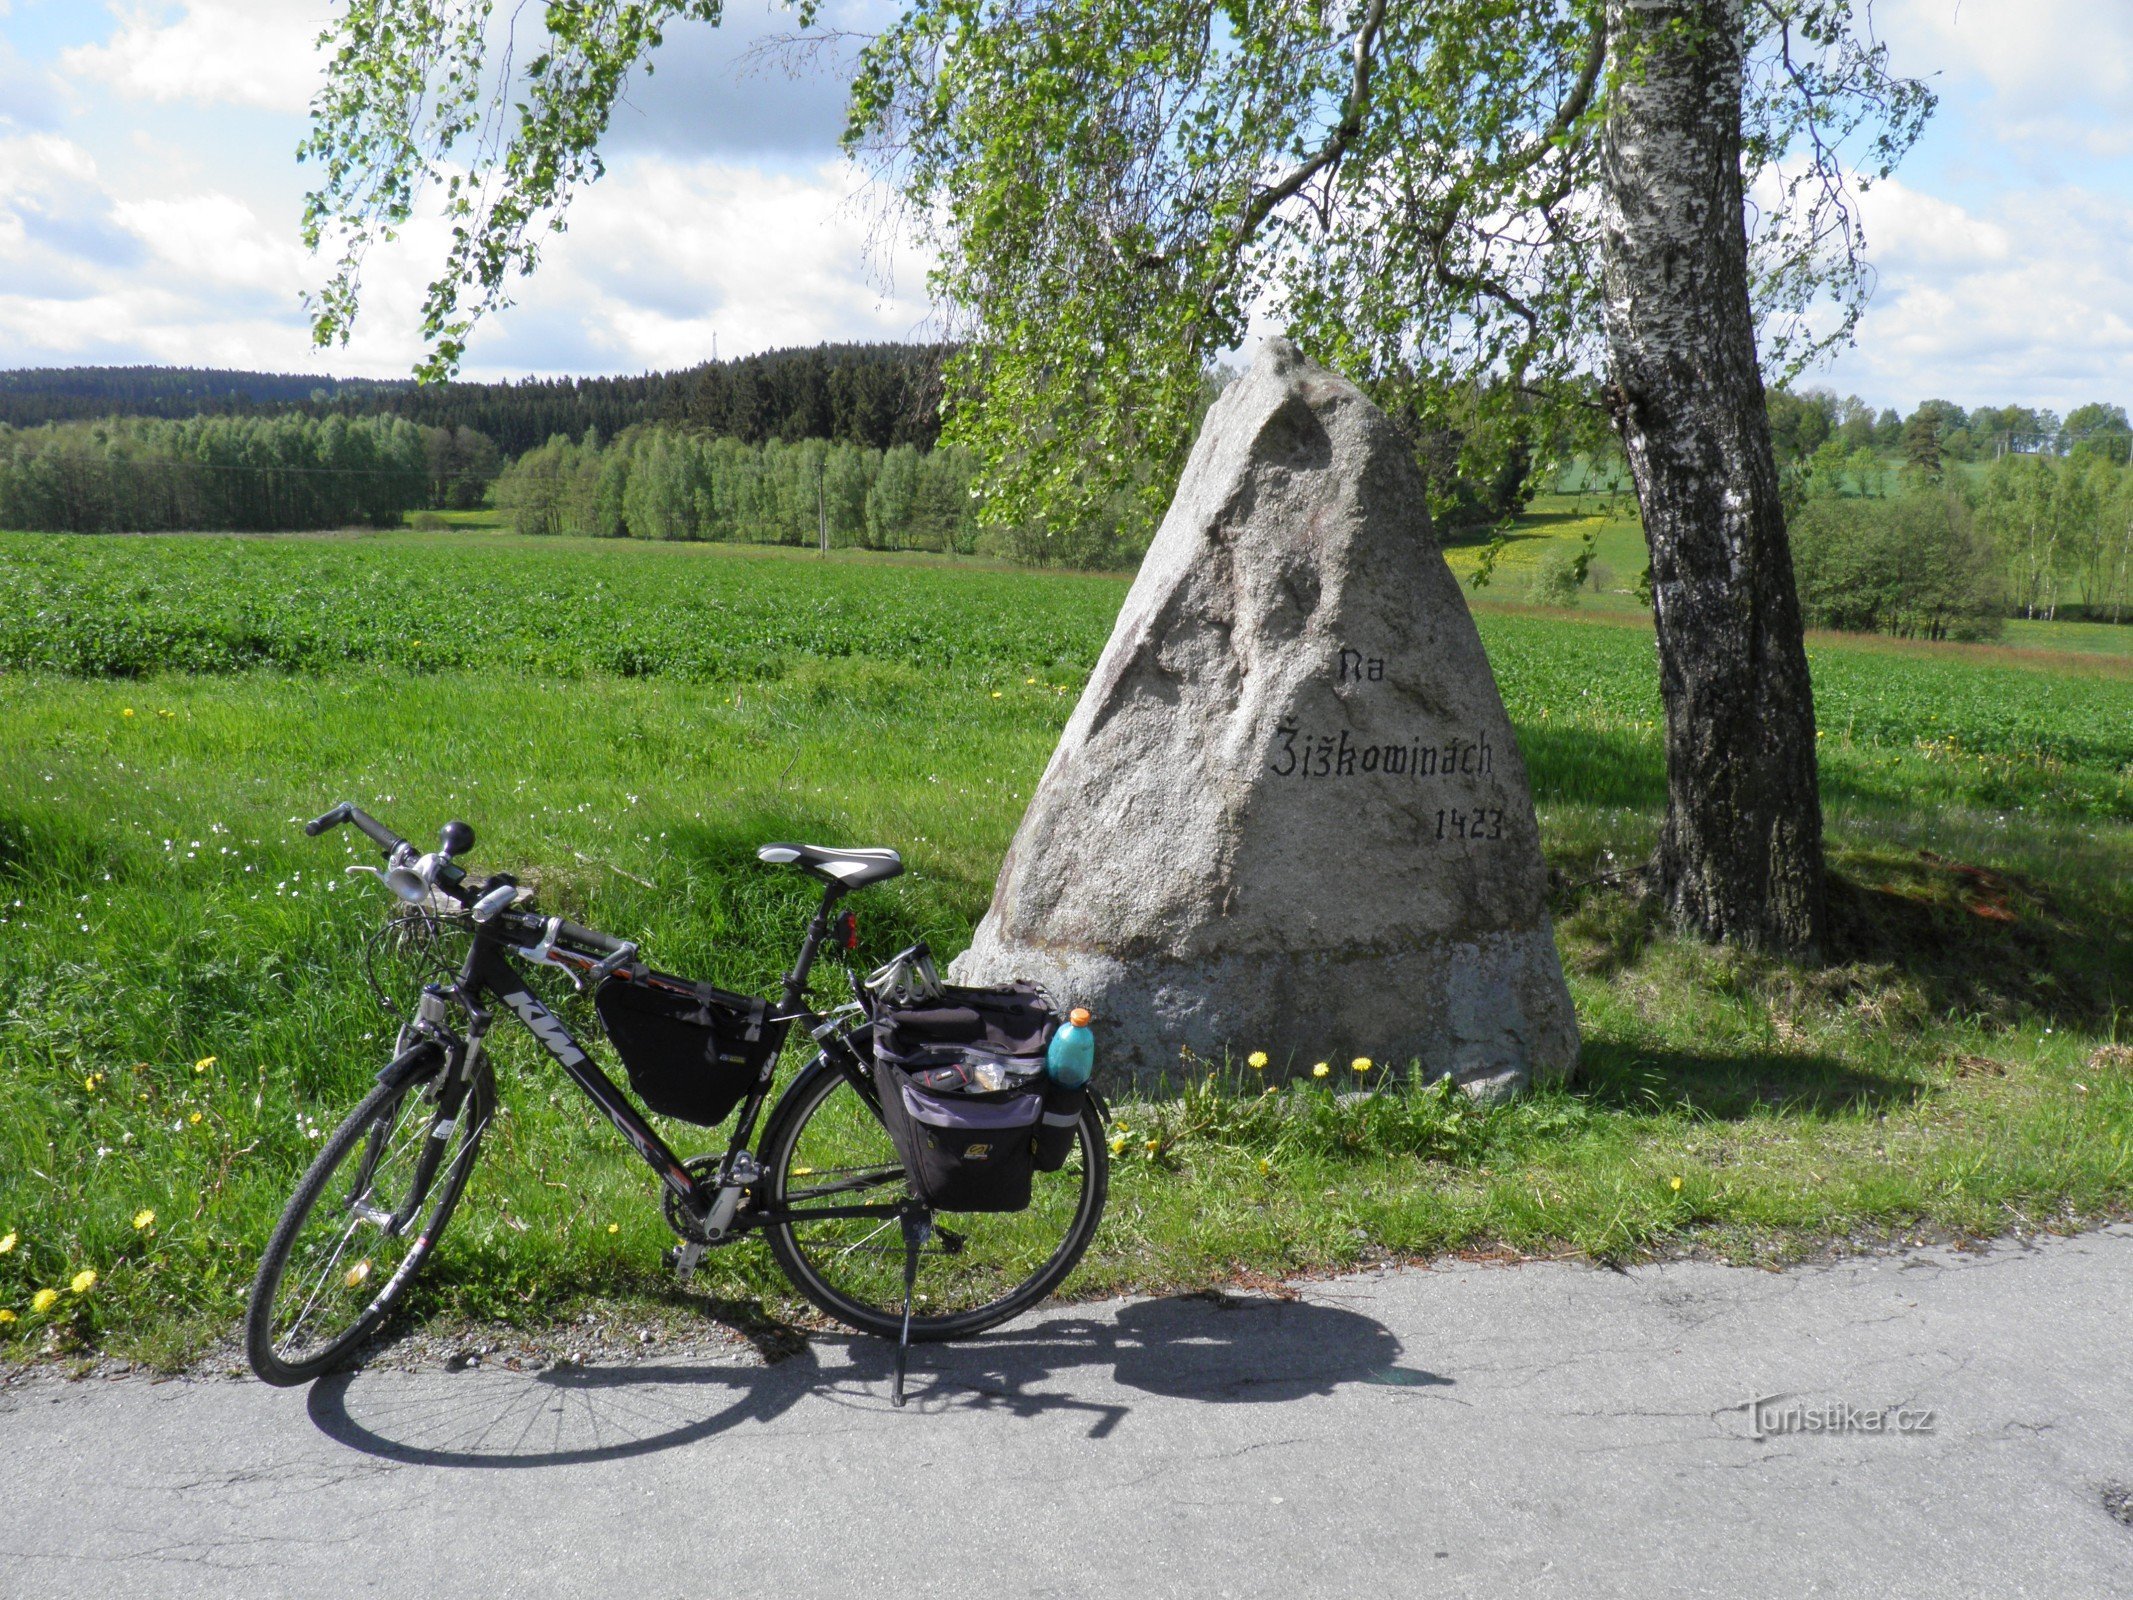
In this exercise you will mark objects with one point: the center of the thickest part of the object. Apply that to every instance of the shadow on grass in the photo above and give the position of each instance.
(1982, 942)
(1915, 939)
(1570, 765)
(1218, 1349)
(1614, 1076)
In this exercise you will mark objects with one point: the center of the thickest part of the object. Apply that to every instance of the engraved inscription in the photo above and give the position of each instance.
(1298, 754)
(1309, 754)
(1354, 667)
(1486, 823)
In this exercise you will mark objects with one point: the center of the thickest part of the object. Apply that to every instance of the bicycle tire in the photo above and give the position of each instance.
(795, 1245)
(385, 1111)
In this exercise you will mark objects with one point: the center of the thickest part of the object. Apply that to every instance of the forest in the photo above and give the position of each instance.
(875, 395)
(251, 474)
(660, 483)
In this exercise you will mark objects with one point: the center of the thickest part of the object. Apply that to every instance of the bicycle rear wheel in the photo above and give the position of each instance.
(827, 1147)
(352, 1238)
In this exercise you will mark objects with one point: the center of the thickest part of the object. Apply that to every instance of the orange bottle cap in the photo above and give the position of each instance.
(1079, 1016)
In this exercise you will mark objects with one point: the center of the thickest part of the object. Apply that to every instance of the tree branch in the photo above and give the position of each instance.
(1262, 205)
(1567, 114)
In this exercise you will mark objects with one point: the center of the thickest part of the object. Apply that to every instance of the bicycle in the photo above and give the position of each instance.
(826, 1188)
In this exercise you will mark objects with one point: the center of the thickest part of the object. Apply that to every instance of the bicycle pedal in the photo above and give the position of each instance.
(683, 1258)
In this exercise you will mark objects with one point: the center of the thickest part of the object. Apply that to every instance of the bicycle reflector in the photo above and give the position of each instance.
(846, 930)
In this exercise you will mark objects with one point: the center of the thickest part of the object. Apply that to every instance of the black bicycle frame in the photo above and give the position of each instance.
(490, 972)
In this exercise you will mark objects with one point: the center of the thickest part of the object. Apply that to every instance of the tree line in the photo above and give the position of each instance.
(662, 483)
(247, 474)
(876, 395)
(1815, 423)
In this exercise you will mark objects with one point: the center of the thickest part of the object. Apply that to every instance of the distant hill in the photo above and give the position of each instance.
(878, 395)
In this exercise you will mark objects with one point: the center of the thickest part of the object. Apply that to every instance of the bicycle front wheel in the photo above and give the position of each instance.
(356, 1231)
(827, 1148)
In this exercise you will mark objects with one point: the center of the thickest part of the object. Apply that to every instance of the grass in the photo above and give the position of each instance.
(628, 722)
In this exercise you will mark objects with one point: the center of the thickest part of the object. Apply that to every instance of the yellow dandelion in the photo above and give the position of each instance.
(1320, 1070)
(127, 712)
(996, 694)
(93, 1082)
(1154, 1144)
(83, 1281)
(614, 1227)
(1256, 1060)
(144, 1218)
(1361, 1063)
(194, 1119)
(44, 1299)
(1265, 1166)
(8, 1243)
(1118, 1147)
(6, 1316)
(357, 1273)
(203, 1063)
(1029, 680)
(1675, 1185)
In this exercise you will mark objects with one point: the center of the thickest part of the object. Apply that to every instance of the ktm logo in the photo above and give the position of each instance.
(544, 1027)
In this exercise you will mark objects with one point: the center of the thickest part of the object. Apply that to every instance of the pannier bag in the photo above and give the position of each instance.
(962, 1084)
(693, 1051)
(1013, 1021)
(963, 1148)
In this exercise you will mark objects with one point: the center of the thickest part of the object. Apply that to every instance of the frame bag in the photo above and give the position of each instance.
(693, 1051)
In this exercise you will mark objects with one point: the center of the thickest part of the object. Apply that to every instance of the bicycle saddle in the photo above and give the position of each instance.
(855, 869)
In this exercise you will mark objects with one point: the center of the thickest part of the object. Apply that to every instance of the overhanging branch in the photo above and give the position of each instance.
(1261, 205)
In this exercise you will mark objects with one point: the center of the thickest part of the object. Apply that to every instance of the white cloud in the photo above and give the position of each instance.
(661, 260)
(665, 253)
(215, 52)
(1921, 232)
(216, 240)
(2035, 55)
(2025, 303)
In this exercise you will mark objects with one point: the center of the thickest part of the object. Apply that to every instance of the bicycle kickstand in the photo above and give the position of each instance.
(915, 1231)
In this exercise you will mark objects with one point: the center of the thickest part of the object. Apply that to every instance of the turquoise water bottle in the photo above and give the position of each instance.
(1072, 1056)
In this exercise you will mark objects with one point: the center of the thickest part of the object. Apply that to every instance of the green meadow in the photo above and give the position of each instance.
(184, 1007)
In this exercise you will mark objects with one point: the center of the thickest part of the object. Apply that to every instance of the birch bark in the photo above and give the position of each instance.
(1740, 851)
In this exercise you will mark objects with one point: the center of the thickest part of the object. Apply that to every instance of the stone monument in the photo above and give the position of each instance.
(1289, 813)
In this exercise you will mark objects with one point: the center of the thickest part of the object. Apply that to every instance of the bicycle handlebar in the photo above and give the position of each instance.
(348, 811)
(450, 878)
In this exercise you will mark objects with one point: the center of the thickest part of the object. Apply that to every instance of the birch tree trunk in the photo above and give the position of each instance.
(1740, 854)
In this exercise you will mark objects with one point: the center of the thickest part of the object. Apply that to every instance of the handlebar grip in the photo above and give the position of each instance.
(332, 819)
(348, 811)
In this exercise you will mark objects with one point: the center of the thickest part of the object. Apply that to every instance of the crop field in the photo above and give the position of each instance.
(183, 1009)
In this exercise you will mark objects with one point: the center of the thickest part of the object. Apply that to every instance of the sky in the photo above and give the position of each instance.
(150, 196)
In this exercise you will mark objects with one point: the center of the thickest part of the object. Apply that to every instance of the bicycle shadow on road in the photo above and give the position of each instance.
(1216, 1348)
(1219, 1349)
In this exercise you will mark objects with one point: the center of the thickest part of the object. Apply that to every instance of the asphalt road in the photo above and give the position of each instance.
(1933, 1424)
